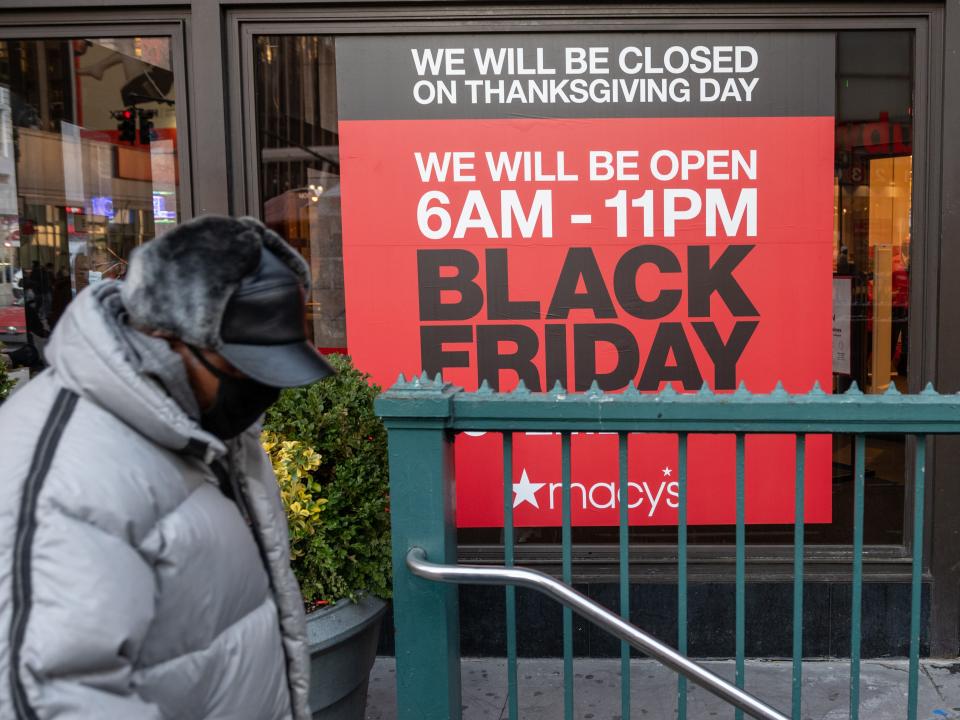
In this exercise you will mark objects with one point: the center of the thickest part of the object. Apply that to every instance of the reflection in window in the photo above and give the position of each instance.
(88, 171)
(872, 221)
(872, 237)
(300, 168)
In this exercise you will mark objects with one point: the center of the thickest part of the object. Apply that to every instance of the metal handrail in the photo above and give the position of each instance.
(482, 575)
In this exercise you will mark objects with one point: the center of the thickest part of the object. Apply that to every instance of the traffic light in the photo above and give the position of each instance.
(147, 133)
(126, 125)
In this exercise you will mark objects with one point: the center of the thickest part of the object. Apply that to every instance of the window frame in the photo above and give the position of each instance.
(595, 561)
(80, 25)
(657, 563)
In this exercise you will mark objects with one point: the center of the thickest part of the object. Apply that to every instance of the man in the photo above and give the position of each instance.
(40, 284)
(143, 547)
(61, 296)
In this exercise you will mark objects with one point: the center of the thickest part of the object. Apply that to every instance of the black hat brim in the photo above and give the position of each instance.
(290, 365)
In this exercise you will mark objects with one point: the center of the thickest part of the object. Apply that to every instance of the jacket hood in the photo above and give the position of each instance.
(90, 357)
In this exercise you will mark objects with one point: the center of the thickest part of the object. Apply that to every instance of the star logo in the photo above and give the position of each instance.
(526, 491)
(668, 472)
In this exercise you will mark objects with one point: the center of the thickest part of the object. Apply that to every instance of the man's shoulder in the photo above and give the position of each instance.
(95, 458)
(29, 412)
(24, 413)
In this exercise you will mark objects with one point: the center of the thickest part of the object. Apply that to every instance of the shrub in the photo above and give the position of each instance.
(335, 480)
(294, 464)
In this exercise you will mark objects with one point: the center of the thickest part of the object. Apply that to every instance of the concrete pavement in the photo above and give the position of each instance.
(826, 689)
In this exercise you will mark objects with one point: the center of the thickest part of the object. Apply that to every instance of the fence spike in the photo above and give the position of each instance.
(484, 388)
(521, 388)
(424, 378)
(631, 391)
(438, 380)
(929, 390)
(742, 390)
(401, 381)
(816, 389)
(558, 389)
(779, 390)
(594, 390)
(854, 389)
(892, 390)
(705, 390)
(669, 391)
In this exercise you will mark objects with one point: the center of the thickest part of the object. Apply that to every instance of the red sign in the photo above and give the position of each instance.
(650, 250)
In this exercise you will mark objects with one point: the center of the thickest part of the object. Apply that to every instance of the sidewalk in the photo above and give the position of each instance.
(826, 690)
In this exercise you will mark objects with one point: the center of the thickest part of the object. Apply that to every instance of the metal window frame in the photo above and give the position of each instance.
(108, 24)
(892, 560)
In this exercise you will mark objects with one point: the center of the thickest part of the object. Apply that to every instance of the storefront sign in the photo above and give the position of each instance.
(645, 208)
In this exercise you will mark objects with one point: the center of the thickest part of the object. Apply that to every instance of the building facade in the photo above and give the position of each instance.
(118, 121)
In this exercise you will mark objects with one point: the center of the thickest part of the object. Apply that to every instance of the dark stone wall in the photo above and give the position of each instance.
(653, 608)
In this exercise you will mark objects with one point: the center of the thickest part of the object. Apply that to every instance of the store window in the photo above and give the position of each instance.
(299, 172)
(300, 167)
(88, 171)
(872, 269)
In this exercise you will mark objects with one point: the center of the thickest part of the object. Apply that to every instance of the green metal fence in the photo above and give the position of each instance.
(423, 416)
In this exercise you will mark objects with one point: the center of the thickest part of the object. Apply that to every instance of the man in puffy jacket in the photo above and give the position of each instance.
(143, 546)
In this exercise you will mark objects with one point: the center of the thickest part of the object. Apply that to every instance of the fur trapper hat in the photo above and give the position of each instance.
(180, 282)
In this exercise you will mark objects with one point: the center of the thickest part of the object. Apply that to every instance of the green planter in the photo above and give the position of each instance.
(343, 645)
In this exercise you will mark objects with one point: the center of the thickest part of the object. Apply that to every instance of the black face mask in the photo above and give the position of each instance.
(239, 402)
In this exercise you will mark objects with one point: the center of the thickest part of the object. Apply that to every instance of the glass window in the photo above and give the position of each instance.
(88, 171)
(299, 172)
(872, 228)
(300, 167)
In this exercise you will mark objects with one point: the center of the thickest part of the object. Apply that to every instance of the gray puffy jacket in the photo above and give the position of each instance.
(130, 585)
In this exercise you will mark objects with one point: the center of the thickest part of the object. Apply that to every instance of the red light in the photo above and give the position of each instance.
(127, 114)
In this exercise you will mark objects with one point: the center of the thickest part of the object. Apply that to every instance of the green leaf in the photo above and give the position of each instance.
(346, 552)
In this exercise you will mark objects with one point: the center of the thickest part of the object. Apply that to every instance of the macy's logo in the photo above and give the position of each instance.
(600, 495)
